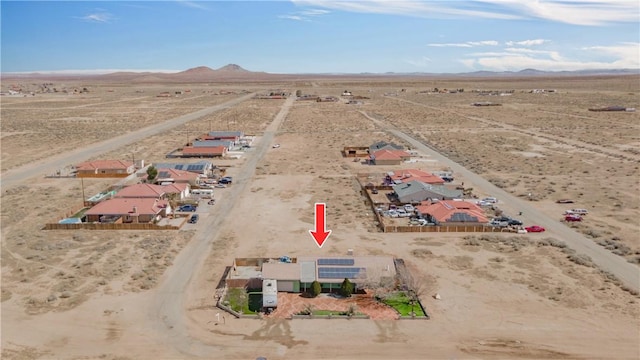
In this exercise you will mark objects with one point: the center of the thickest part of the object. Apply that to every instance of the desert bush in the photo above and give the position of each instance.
(581, 259)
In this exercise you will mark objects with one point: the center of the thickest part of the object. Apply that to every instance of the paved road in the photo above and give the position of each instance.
(628, 273)
(168, 307)
(51, 164)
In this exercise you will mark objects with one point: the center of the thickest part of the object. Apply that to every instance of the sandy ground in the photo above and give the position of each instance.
(83, 295)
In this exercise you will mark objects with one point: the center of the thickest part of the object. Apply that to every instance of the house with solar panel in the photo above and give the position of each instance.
(416, 191)
(202, 167)
(452, 212)
(296, 274)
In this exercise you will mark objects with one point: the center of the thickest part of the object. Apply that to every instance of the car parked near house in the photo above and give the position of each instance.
(409, 208)
(515, 222)
(572, 218)
(187, 208)
(576, 212)
(534, 228)
(374, 191)
(194, 219)
(499, 223)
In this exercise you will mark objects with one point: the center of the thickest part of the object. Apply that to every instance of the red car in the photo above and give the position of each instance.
(573, 217)
(534, 228)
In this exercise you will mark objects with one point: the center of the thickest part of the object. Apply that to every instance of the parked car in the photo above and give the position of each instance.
(194, 219)
(221, 185)
(275, 146)
(499, 223)
(565, 201)
(576, 212)
(393, 213)
(573, 217)
(534, 228)
(409, 208)
(187, 208)
(490, 200)
(374, 191)
(226, 180)
(483, 203)
(515, 222)
(211, 202)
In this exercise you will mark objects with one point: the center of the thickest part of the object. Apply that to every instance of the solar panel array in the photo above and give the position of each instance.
(339, 272)
(195, 167)
(343, 262)
(163, 174)
(178, 167)
(462, 217)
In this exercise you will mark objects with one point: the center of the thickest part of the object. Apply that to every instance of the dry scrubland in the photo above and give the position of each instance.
(546, 145)
(503, 296)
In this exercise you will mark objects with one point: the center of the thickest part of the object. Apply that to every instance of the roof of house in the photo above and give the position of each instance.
(386, 154)
(176, 174)
(125, 206)
(414, 186)
(454, 211)
(197, 167)
(281, 271)
(384, 145)
(214, 150)
(142, 191)
(104, 164)
(225, 133)
(403, 176)
(212, 143)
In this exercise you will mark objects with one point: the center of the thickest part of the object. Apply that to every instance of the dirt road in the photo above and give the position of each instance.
(51, 164)
(628, 273)
(167, 312)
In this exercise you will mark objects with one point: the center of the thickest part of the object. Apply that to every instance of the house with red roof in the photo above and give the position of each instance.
(105, 169)
(128, 210)
(452, 212)
(175, 176)
(152, 191)
(389, 157)
(204, 151)
(404, 176)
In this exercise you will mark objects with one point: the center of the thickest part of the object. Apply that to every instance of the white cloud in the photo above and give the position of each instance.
(527, 42)
(305, 15)
(99, 17)
(466, 44)
(577, 12)
(293, 17)
(421, 62)
(621, 56)
(192, 4)
(423, 9)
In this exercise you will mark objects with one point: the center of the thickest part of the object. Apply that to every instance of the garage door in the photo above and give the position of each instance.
(284, 285)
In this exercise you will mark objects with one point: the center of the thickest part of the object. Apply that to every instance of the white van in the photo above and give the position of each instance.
(576, 212)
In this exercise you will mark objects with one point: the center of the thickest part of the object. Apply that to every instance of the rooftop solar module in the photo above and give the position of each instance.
(344, 262)
(339, 272)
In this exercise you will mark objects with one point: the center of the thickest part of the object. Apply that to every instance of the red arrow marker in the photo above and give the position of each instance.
(320, 235)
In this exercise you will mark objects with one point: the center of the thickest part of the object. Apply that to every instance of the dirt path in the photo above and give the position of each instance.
(167, 312)
(604, 259)
(51, 164)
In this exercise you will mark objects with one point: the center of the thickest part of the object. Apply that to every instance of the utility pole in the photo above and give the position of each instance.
(82, 186)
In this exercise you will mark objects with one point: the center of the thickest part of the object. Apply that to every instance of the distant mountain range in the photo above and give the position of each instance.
(233, 72)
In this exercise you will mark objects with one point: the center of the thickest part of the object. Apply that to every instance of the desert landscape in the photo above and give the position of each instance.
(135, 294)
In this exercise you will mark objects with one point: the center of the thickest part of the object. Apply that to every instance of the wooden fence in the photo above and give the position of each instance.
(105, 226)
(447, 228)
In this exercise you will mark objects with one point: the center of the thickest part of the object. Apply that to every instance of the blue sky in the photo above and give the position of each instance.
(319, 36)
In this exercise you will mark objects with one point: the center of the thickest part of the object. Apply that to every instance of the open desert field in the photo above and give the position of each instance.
(150, 294)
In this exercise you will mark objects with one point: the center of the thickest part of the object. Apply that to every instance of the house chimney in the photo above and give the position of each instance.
(135, 210)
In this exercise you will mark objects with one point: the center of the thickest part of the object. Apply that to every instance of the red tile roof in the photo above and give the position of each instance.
(104, 165)
(415, 174)
(444, 210)
(386, 154)
(176, 175)
(124, 206)
(202, 150)
(142, 191)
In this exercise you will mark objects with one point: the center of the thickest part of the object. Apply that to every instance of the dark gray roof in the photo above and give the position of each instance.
(384, 145)
(212, 143)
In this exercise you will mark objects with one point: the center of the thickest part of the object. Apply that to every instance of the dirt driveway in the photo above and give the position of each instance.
(291, 304)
